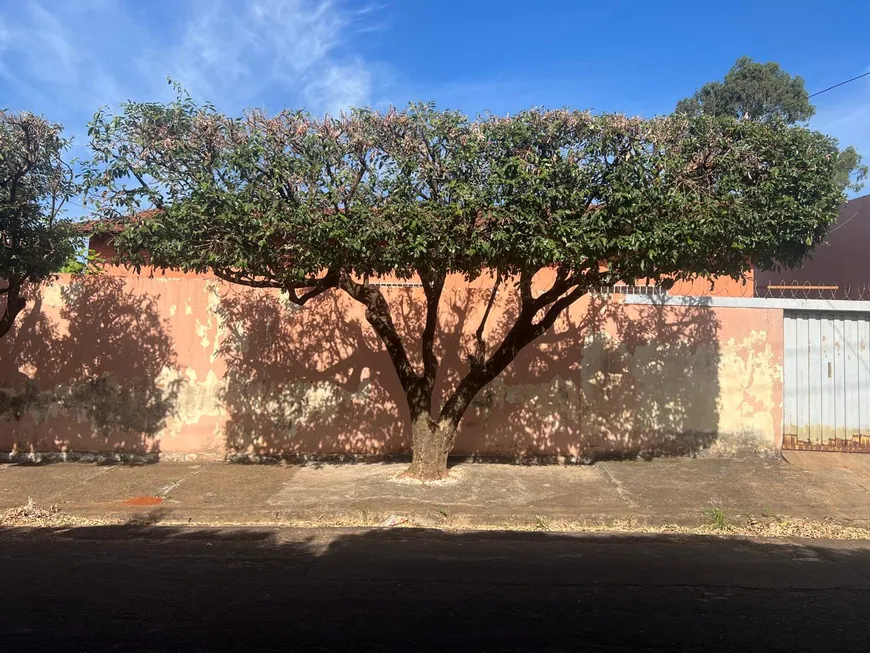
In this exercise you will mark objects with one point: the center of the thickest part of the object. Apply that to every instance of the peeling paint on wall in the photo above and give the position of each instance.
(269, 377)
(750, 374)
(87, 413)
(655, 397)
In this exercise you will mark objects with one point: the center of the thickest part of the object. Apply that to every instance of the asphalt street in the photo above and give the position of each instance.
(176, 589)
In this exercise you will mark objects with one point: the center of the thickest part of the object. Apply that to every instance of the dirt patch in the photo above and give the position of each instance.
(143, 501)
(453, 477)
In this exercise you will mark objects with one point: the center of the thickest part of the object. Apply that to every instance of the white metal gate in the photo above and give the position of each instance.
(826, 381)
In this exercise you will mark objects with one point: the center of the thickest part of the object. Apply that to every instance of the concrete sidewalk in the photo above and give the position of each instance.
(631, 494)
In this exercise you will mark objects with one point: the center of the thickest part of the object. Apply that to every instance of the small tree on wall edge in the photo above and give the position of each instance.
(35, 184)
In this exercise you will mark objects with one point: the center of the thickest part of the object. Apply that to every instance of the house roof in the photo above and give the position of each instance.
(91, 227)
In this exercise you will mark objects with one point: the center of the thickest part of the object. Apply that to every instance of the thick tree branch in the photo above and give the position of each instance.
(556, 310)
(363, 168)
(314, 286)
(29, 164)
(334, 183)
(478, 357)
(154, 197)
(559, 287)
(15, 303)
(379, 317)
(433, 187)
(286, 189)
(433, 286)
(328, 281)
(237, 278)
(525, 285)
(523, 332)
(299, 300)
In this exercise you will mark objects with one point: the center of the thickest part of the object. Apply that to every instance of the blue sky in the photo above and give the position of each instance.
(66, 58)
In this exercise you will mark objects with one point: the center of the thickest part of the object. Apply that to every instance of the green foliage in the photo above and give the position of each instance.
(277, 201)
(757, 91)
(718, 519)
(541, 523)
(85, 261)
(850, 171)
(34, 185)
(764, 92)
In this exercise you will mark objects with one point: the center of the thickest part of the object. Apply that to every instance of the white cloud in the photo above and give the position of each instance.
(233, 52)
(67, 59)
(48, 46)
(338, 87)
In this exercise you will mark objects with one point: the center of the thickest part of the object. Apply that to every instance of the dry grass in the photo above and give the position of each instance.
(775, 529)
(804, 528)
(31, 515)
(750, 527)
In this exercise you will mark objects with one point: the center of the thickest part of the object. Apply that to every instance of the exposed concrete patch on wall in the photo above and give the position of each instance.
(212, 331)
(202, 331)
(195, 399)
(52, 295)
(229, 334)
(674, 397)
(749, 374)
(89, 413)
(296, 405)
(551, 401)
(83, 400)
(289, 307)
(285, 409)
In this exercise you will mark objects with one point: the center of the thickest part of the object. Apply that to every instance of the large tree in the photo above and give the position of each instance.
(35, 183)
(765, 92)
(310, 206)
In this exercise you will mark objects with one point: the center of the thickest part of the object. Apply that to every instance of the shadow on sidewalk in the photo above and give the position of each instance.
(160, 588)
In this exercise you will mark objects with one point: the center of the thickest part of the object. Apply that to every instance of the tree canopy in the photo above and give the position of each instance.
(764, 92)
(307, 205)
(753, 90)
(35, 183)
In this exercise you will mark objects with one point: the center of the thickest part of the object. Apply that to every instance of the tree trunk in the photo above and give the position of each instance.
(15, 303)
(432, 442)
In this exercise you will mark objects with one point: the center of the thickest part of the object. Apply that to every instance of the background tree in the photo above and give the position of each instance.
(35, 183)
(310, 206)
(764, 92)
(753, 90)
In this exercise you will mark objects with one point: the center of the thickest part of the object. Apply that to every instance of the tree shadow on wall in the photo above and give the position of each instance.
(307, 380)
(84, 370)
(317, 379)
(608, 380)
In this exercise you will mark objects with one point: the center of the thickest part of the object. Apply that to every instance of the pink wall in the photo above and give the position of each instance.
(177, 364)
(719, 286)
